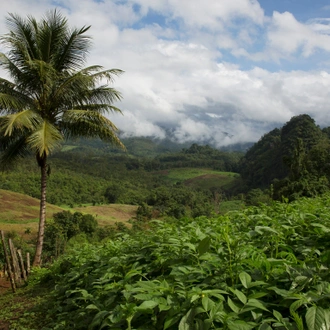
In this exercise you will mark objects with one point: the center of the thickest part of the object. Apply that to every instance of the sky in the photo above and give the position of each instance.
(215, 71)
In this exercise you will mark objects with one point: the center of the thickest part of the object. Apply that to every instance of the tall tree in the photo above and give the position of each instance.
(51, 95)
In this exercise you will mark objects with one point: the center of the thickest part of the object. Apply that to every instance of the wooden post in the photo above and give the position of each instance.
(28, 264)
(11, 276)
(19, 252)
(17, 270)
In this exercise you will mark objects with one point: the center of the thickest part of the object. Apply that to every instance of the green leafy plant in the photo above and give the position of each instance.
(262, 268)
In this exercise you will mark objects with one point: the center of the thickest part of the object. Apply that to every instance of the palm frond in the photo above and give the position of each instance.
(19, 77)
(79, 91)
(11, 99)
(73, 48)
(45, 139)
(10, 103)
(21, 121)
(100, 108)
(51, 32)
(98, 74)
(85, 123)
(13, 148)
(104, 94)
(21, 39)
(77, 115)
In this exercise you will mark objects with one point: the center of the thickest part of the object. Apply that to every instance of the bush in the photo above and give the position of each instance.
(65, 226)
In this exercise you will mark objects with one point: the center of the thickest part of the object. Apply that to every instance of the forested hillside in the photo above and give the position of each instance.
(294, 158)
(88, 171)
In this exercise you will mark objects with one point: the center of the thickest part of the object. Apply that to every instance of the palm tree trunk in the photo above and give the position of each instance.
(42, 216)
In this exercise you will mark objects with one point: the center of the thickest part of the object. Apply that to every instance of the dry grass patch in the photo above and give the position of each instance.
(17, 208)
(109, 214)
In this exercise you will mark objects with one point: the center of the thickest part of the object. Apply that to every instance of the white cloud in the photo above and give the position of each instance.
(320, 25)
(287, 36)
(179, 76)
(213, 14)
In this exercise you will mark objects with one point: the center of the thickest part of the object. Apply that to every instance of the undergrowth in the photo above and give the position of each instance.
(261, 268)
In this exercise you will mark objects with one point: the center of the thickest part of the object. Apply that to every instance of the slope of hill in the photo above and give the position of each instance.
(20, 212)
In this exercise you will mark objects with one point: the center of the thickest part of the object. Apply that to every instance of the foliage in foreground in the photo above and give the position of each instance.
(262, 268)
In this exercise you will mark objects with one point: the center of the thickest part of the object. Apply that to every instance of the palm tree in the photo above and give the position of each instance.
(51, 96)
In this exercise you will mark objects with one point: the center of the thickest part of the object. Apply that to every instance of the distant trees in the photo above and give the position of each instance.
(51, 96)
(179, 201)
(197, 156)
(113, 192)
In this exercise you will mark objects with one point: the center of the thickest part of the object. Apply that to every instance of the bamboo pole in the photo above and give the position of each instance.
(20, 258)
(15, 264)
(11, 276)
(28, 263)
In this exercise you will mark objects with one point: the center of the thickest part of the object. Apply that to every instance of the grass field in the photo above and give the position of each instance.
(183, 174)
(109, 214)
(202, 178)
(20, 212)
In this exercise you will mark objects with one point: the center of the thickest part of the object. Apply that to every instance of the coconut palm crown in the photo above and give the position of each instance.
(51, 96)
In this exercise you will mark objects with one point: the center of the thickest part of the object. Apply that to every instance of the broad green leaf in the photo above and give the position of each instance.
(260, 229)
(265, 326)
(295, 305)
(321, 226)
(215, 309)
(316, 319)
(256, 303)
(256, 315)
(190, 246)
(281, 292)
(92, 306)
(187, 322)
(241, 296)
(245, 279)
(234, 307)
(257, 295)
(278, 315)
(240, 325)
(204, 246)
(98, 318)
(207, 303)
(143, 296)
(200, 234)
(149, 304)
(194, 297)
(163, 307)
(171, 321)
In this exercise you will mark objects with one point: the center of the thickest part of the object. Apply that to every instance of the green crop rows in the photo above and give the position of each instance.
(262, 268)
